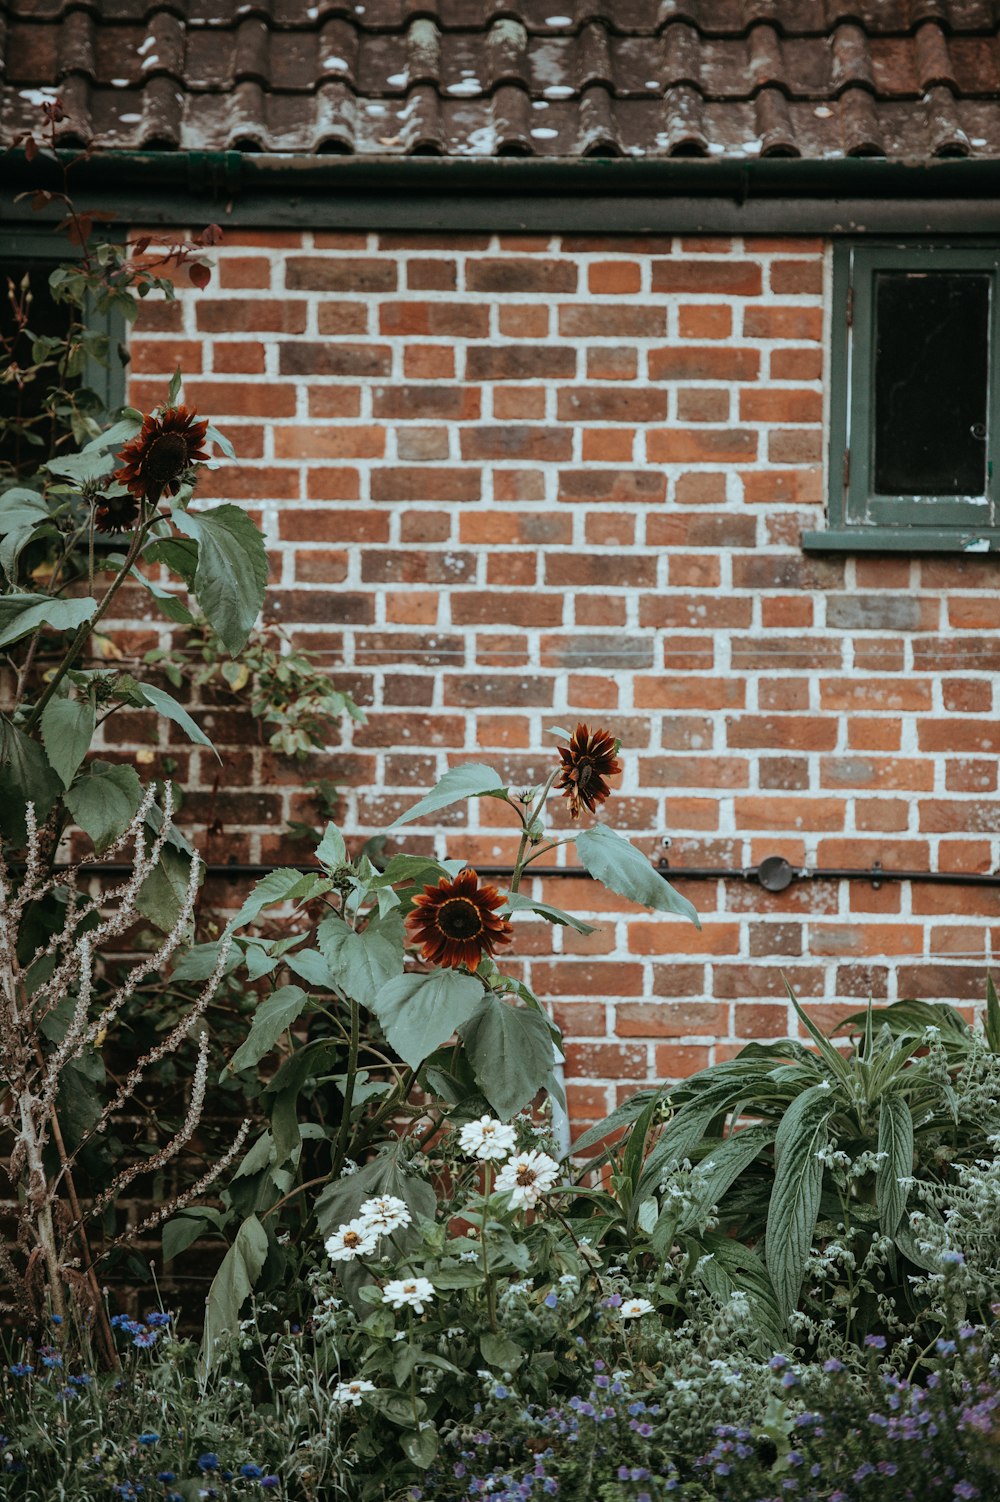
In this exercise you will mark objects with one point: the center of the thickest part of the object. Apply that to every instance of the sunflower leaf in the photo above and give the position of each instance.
(470, 781)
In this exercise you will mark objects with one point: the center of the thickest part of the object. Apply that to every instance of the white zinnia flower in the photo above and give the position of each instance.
(385, 1213)
(635, 1308)
(352, 1392)
(487, 1139)
(415, 1292)
(356, 1239)
(527, 1176)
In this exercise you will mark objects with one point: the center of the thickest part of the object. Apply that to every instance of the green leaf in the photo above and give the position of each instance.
(231, 577)
(510, 1049)
(169, 600)
(198, 962)
(25, 777)
(516, 902)
(284, 885)
(418, 1012)
(187, 1227)
(500, 1351)
(470, 781)
(895, 1139)
(180, 555)
(104, 801)
(342, 1199)
(310, 966)
(274, 1015)
(119, 433)
(420, 1446)
(722, 1167)
(68, 727)
(331, 851)
(232, 1284)
(166, 705)
(622, 1116)
(460, 1275)
(615, 862)
(732, 1268)
(992, 1020)
(162, 893)
(20, 614)
(364, 961)
(795, 1197)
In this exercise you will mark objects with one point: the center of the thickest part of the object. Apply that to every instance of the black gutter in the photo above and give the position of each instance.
(674, 194)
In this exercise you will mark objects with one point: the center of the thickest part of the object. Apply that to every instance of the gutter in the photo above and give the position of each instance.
(596, 194)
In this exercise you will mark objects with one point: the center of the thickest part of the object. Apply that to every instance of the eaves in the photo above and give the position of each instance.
(856, 195)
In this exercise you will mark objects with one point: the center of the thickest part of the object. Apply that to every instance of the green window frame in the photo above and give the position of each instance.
(859, 518)
(18, 248)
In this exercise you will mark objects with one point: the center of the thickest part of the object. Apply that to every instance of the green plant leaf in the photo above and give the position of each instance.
(342, 1199)
(284, 885)
(274, 1016)
(20, 614)
(231, 576)
(25, 777)
(166, 705)
(895, 1139)
(724, 1163)
(622, 1116)
(798, 1185)
(198, 961)
(363, 961)
(420, 1446)
(500, 1351)
(732, 1268)
(232, 1284)
(516, 902)
(992, 1019)
(331, 851)
(187, 1227)
(470, 781)
(104, 801)
(418, 1012)
(510, 1049)
(618, 865)
(162, 893)
(68, 727)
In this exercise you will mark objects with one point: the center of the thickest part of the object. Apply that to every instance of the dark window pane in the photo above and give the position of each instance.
(931, 352)
(22, 400)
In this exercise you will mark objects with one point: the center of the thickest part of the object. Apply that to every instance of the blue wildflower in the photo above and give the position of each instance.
(551, 1299)
(156, 1320)
(21, 1369)
(208, 1462)
(875, 1342)
(165, 1476)
(270, 1482)
(252, 1472)
(144, 1339)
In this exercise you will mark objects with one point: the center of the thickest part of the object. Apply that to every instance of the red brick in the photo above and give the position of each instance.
(443, 320)
(268, 315)
(605, 278)
(164, 356)
(733, 278)
(516, 441)
(323, 525)
(432, 274)
(705, 321)
(781, 405)
(445, 403)
(601, 404)
(519, 362)
(335, 401)
(591, 320)
(676, 1062)
(241, 398)
(231, 357)
(791, 277)
(608, 445)
(245, 271)
(435, 483)
(341, 274)
(790, 813)
(796, 732)
(362, 442)
(700, 445)
(524, 321)
(577, 570)
(691, 362)
(604, 364)
(520, 274)
(783, 323)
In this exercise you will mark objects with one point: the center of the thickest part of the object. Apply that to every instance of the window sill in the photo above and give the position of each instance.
(903, 540)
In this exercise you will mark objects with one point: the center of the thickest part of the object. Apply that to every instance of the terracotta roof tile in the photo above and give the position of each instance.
(562, 78)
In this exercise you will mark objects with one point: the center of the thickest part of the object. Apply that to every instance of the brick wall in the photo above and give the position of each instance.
(517, 481)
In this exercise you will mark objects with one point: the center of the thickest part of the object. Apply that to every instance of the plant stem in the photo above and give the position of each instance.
(529, 820)
(86, 627)
(340, 1151)
(491, 1294)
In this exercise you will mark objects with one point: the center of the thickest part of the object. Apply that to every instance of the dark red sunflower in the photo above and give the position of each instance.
(159, 457)
(456, 923)
(587, 760)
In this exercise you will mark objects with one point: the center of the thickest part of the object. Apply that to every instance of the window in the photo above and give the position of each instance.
(915, 387)
(38, 253)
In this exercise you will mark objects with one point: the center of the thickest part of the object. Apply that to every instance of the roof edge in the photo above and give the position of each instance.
(846, 195)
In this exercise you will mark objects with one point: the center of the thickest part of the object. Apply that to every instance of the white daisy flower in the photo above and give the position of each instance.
(414, 1293)
(351, 1393)
(384, 1214)
(356, 1239)
(635, 1308)
(527, 1176)
(487, 1139)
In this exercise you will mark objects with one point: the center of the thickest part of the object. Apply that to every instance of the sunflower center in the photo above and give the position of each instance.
(584, 773)
(166, 458)
(459, 918)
